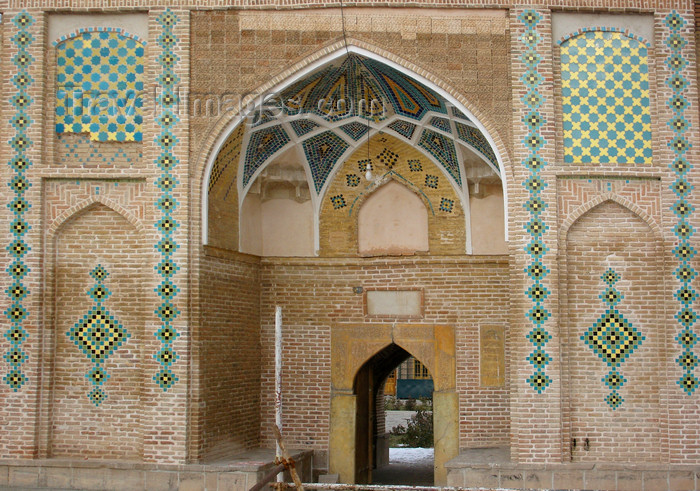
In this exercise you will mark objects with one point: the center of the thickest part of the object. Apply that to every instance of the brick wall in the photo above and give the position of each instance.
(612, 237)
(317, 294)
(78, 428)
(229, 347)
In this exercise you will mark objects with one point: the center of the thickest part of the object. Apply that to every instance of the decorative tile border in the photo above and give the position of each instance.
(19, 163)
(167, 268)
(684, 251)
(613, 338)
(98, 334)
(535, 227)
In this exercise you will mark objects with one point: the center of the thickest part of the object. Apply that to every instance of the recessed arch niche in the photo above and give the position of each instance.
(323, 136)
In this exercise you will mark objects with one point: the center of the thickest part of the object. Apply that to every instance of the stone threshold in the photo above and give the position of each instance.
(471, 469)
(239, 472)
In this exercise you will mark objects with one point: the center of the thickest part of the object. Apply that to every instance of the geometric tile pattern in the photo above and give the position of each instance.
(355, 130)
(403, 128)
(536, 228)
(263, 143)
(167, 102)
(98, 334)
(684, 251)
(441, 124)
(337, 92)
(605, 99)
(347, 90)
(613, 338)
(99, 85)
(443, 149)
(19, 164)
(477, 141)
(303, 126)
(226, 163)
(322, 152)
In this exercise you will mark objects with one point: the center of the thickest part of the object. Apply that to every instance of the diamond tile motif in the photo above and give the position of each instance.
(98, 335)
(612, 338)
(535, 227)
(100, 84)
(403, 128)
(19, 163)
(322, 152)
(683, 251)
(355, 130)
(303, 126)
(167, 225)
(443, 149)
(605, 99)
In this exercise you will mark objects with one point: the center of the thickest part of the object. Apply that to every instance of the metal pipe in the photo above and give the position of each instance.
(278, 380)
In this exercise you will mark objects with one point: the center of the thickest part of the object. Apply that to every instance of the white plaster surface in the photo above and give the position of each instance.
(287, 228)
(392, 221)
(64, 24)
(564, 24)
(400, 303)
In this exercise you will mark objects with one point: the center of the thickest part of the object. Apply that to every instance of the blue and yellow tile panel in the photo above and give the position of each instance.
(612, 338)
(19, 163)
(684, 251)
(605, 99)
(535, 227)
(98, 334)
(322, 153)
(100, 85)
(166, 141)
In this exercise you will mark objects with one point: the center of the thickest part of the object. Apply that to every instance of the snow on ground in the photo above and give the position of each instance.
(411, 456)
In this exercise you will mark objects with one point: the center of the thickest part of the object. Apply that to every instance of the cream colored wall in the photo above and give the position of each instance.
(488, 232)
(393, 220)
(251, 225)
(287, 228)
(62, 25)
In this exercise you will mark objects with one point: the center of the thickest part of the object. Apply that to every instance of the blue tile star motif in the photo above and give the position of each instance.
(98, 335)
(100, 85)
(605, 99)
(612, 338)
(682, 209)
(19, 163)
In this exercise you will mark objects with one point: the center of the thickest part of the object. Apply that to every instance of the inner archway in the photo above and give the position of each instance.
(362, 356)
(374, 459)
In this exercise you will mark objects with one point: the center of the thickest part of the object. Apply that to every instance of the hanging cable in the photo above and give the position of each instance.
(345, 37)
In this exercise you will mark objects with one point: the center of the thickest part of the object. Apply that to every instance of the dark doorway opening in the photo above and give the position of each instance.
(373, 460)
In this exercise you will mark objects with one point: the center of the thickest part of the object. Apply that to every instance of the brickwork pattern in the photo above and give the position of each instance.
(229, 342)
(611, 239)
(79, 427)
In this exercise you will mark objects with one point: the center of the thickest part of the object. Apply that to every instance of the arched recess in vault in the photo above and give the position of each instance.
(292, 146)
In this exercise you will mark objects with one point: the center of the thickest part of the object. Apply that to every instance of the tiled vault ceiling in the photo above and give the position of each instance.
(331, 112)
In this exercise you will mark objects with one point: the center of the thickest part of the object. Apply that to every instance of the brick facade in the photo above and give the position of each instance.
(169, 217)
